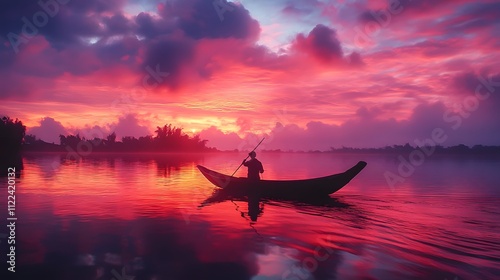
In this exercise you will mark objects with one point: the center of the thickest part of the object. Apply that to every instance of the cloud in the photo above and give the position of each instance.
(469, 120)
(94, 52)
(367, 129)
(355, 59)
(220, 140)
(186, 41)
(321, 43)
(408, 21)
(129, 125)
(174, 51)
(151, 27)
(199, 19)
(48, 130)
(169, 55)
(84, 38)
(245, 124)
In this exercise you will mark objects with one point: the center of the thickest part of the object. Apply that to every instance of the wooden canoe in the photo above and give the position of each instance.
(283, 188)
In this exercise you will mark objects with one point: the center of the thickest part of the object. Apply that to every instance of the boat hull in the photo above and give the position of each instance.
(288, 188)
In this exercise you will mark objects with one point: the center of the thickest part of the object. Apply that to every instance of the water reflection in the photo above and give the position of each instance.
(255, 208)
(144, 248)
(255, 203)
(105, 216)
(11, 163)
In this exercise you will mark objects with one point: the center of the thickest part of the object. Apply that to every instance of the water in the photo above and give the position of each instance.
(113, 217)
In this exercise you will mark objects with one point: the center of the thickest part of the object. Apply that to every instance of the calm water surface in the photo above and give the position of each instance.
(139, 217)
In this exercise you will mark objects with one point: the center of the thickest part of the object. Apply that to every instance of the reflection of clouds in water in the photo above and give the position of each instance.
(144, 248)
(132, 211)
(49, 164)
(275, 259)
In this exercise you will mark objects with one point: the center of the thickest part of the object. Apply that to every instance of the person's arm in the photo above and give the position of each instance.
(261, 168)
(245, 163)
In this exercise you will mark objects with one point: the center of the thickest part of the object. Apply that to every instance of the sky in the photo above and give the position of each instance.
(305, 74)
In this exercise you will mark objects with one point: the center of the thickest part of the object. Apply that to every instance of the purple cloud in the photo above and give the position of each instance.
(322, 43)
(48, 130)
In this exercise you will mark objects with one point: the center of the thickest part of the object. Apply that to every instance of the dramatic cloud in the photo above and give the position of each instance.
(129, 126)
(223, 141)
(344, 68)
(322, 43)
(48, 130)
(457, 129)
(204, 19)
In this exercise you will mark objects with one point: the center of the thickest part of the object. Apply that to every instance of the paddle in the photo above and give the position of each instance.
(248, 156)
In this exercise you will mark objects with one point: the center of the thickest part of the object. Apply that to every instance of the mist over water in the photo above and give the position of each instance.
(139, 214)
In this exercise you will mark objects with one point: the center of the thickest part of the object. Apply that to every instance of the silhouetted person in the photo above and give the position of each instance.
(254, 167)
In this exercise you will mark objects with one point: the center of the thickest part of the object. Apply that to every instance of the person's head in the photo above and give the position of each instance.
(252, 154)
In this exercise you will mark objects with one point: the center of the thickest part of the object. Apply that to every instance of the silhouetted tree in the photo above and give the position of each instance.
(111, 139)
(71, 140)
(171, 138)
(11, 135)
(11, 139)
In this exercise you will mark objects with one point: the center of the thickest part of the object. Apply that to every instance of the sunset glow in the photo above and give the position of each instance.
(306, 74)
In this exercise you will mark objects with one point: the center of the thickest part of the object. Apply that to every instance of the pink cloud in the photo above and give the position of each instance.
(321, 43)
(366, 130)
(48, 130)
(223, 141)
(94, 54)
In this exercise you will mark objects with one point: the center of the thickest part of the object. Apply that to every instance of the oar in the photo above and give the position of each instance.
(248, 156)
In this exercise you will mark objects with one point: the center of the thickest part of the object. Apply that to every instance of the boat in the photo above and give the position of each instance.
(314, 187)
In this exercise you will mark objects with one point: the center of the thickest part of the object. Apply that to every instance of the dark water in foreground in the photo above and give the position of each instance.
(137, 217)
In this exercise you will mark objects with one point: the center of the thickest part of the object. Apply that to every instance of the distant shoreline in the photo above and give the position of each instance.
(483, 153)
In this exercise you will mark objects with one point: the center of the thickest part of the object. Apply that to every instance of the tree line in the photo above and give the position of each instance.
(168, 138)
(12, 133)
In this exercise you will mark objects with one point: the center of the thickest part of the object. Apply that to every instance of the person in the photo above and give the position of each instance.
(254, 167)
